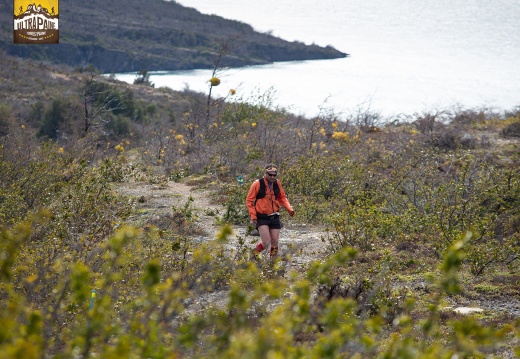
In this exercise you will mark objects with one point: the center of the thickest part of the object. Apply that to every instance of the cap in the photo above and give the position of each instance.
(271, 168)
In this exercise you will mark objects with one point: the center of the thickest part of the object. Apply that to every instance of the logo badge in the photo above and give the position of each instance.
(36, 23)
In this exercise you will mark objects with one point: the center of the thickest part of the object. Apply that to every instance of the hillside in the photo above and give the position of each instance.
(124, 234)
(154, 35)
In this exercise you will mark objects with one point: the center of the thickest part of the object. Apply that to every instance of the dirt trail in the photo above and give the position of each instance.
(299, 245)
(302, 243)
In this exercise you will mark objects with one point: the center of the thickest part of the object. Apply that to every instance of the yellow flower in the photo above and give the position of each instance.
(23, 127)
(180, 139)
(253, 124)
(322, 131)
(232, 92)
(61, 150)
(340, 136)
(334, 125)
(214, 81)
(119, 148)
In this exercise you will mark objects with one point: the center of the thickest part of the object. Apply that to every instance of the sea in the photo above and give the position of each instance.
(406, 57)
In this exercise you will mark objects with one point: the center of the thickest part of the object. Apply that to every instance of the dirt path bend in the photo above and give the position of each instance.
(302, 243)
(299, 245)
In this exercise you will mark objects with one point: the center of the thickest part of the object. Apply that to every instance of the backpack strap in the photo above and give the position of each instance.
(261, 190)
(276, 189)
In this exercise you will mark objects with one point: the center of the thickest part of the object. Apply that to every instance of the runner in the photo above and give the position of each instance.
(264, 199)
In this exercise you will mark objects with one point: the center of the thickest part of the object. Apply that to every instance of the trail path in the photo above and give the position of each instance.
(299, 244)
(302, 243)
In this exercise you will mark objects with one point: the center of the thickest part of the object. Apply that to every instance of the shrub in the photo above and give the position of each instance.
(53, 118)
(30, 181)
(511, 130)
(143, 78)
(233, 199)
(361, 225)
(119, 125)
(6, 119)
(446, 139)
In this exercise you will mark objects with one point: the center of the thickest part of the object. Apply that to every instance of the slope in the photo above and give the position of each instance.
(154, 35)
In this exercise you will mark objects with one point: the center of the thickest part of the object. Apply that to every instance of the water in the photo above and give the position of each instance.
(406, 56)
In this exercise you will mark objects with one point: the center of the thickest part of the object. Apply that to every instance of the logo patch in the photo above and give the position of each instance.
(36, 23)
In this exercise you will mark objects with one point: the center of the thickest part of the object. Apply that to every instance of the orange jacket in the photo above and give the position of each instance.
(268, 204)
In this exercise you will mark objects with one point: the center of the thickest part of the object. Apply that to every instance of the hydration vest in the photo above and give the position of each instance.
(261, 190)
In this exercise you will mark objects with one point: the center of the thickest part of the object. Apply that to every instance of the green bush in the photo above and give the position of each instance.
(30, 181)
(148, 292)
(233, 199)
(512, 130)
(53, 118)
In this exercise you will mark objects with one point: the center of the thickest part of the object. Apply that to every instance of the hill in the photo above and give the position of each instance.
(395, 226)
(154, 35)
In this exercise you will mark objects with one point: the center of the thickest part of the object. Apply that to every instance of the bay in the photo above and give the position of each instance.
(406, 56)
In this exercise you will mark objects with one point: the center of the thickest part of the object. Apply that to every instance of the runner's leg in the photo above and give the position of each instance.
(275, 236)
(265, 235)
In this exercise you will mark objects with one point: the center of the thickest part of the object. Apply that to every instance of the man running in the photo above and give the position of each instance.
(264, 199)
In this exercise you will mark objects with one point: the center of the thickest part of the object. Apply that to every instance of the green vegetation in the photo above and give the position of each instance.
(419, 215)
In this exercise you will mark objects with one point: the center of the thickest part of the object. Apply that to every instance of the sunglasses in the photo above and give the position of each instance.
(272, 174)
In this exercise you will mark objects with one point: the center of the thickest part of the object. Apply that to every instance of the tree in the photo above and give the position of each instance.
(225, 48)
(143, 78)
(98, 100)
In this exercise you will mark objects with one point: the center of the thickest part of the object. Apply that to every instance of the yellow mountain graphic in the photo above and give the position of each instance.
(23, 4)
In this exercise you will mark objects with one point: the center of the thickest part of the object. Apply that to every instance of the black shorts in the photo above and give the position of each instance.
(272, 221)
